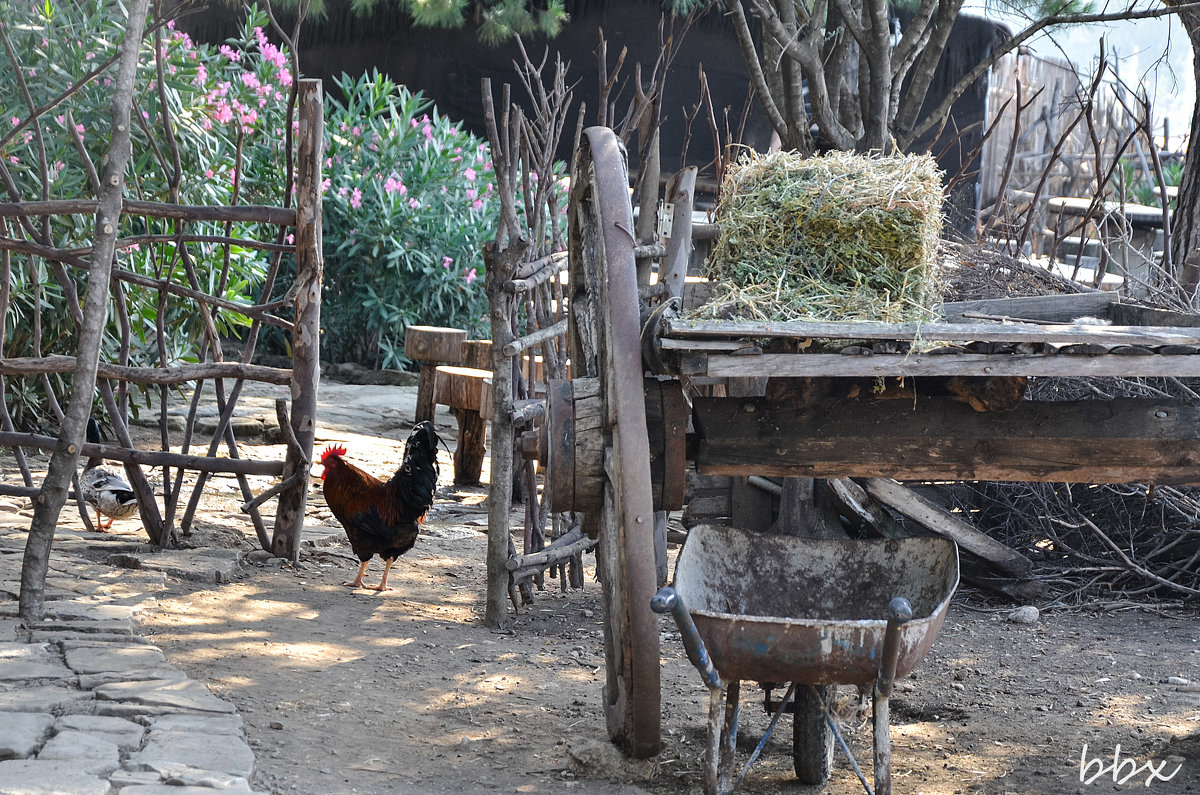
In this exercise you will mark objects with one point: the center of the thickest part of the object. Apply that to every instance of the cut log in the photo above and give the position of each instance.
(471, 448)
(431, 346)
(467, 391)
(920, 510)
(477, 354)
(462, 387)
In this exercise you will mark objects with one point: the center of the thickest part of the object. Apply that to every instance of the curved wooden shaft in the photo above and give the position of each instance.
(626, 549)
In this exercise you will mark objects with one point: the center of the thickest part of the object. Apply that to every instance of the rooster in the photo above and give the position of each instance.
(381, 518)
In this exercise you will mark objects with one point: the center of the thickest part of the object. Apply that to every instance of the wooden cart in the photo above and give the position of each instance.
(622, 435)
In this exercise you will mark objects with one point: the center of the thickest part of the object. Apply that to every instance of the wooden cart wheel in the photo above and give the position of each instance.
(604, 343)
(812, 739)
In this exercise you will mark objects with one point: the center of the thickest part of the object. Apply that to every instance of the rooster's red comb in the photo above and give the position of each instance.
(332, 450)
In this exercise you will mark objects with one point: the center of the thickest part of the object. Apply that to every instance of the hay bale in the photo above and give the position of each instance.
(840, 236)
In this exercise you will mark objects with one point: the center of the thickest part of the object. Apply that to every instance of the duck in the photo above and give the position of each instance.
(105, 490)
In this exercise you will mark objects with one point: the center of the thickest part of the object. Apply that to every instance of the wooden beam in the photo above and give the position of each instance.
(1064, 334)
(37, 365)
(922, 511)
(785, 365)
(1090, 441)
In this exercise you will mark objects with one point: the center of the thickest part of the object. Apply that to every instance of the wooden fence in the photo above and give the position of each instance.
(297, 233)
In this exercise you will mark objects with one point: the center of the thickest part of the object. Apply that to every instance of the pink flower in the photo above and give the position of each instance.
(285, 77)
(250, 80)
(477, 204)
(79, 129)
(15, 120)
(471, 276)
(427, 131)
(291, 239)
(356, 131)
(393, 185)
(413, 204)
(470, 193)
(230, 53)
(223, 113)
(447, 262)
(470, 174)
(208, 173)
(356, 199)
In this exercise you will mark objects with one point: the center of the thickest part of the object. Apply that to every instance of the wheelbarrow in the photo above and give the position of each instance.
(810, 612)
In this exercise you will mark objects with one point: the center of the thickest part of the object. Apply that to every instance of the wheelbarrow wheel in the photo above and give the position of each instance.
(812, 739)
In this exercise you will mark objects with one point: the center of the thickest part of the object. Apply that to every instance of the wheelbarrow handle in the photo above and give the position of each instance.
(668, 600)
(900, 612)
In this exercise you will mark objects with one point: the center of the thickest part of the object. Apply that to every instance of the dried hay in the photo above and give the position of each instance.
(840, 236)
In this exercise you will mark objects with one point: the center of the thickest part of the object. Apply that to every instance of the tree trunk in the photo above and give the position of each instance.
(1185, 221)
(49, 503)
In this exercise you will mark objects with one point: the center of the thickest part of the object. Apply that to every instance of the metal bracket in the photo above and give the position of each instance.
(666, 219)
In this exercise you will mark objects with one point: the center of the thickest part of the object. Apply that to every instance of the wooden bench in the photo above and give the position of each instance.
(467, 390)
(431, 346)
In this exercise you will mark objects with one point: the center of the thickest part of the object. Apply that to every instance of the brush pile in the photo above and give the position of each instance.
(840, 236)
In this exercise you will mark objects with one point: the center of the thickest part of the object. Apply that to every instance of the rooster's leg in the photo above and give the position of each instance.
(357, 581)
(383, 586)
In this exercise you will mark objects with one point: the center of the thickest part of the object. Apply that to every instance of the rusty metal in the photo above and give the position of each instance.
(742, 591)
(746, 617)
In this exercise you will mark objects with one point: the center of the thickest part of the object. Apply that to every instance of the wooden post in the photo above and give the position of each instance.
(500, 486)
(306, 347)
(431, 346)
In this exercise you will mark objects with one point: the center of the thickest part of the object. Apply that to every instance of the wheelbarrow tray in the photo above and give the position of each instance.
(775, 608)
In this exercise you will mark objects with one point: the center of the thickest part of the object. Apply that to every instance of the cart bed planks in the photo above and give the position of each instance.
(1090, 441)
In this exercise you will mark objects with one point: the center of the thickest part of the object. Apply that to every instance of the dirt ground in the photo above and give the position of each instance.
(354, 691)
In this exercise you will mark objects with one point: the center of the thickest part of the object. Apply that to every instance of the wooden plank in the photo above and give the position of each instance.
(931, 516)
(793, 365)
(1134, 315)
(942, 332)
(1090, 441)
(1046, 308)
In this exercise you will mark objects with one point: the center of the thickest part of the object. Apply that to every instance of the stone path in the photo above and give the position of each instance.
(88, 707)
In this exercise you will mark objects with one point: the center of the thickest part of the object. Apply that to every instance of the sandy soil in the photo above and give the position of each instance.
(353, 691)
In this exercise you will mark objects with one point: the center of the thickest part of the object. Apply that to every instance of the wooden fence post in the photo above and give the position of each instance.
(306, 337)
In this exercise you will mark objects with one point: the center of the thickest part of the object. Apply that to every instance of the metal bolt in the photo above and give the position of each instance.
(1161, 414)
(639, 520)
(749, 408)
